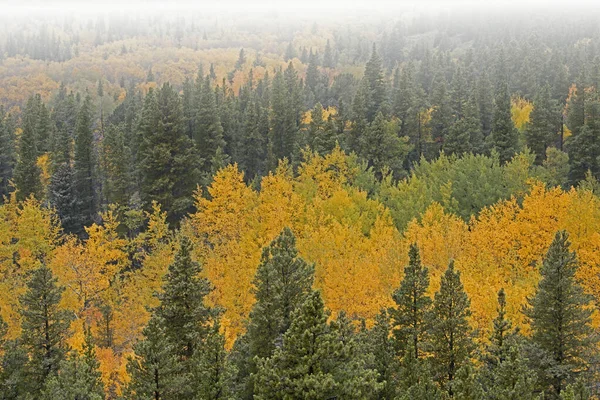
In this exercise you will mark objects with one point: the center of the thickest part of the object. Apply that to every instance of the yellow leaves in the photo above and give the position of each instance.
(520, 111)
(43, 162)
(329, 111)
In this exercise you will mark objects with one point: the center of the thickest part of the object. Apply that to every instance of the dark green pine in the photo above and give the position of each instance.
(560, 318)
(503, 137)
(45, 327)
(450, 338)
(544, 124)
(83, 167)
(8, 156)
(409, 317)
(208, 131)
(27, 172)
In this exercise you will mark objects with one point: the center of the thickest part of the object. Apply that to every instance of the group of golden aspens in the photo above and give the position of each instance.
(405, 210)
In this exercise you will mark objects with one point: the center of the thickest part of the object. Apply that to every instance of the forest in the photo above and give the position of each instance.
(357, 205)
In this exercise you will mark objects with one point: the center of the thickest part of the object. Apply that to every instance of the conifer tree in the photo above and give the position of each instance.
(83, 167)
(576, 391)
(560, 317)
(27, 172)
(450, 335)
(78, 376)
(328, 56)
(253, 149)
(543, 125)
(168, 158)
(485, 102)
(44, 327)
(584, 145)
(415, 379)
(409, 318)
(212, 371)
(116, 164)
(503, 137)
(282, 282)
(442, 115)
(375, 86)
(466, 386)
(62, 198)
(208, 129)
(383, 350)
(311, 362)
(381, 146)
(14, 381)
(465, 136)
(154, 369)
(182, 310)
(7, 153)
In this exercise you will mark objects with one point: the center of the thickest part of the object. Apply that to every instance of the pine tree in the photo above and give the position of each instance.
(312, 361)
(450, 334)
(14, 381)
(182, 311)
(212, 371)
(83, 168)
(253, 154)
(543, 124)
(282, 282)
(116, 158)
(415, 379)
(466, 385)
(576, 391)
(560, 317)
(208, 129)
(485, 102)
(381, 146)
(412, 305)
(44, 327)
(328, 56)
(239, 64)
(465, 136)
(383, 350)
(78, 376)
(7, 153)
(154, 369)
(503, 137)
(584, 146)
(27, 172)
(375, 86)
(167, 157)
(62, 198)
(442, 115)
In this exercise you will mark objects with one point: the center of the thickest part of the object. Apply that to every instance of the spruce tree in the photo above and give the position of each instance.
(252, 155)
(62, 198)
(45, 328)
(381, 146)
(116, 158)
(466, 385)
(27, 172)
(7, 153)
(584, 146)
(375, 85)
(312, 361)
(415, 379)
(78, 376)
(442, 115)
(182, 310)
(465, 136)
(282, 282)
(543, 125)
(167, 156)
(155, 371)
(83, 167)
(576, 391)
(212, 371)
(503, 137)
(560, 317)
(14, 381)
(409, 317)
(382, 347)
(450, 335)
(208, 129)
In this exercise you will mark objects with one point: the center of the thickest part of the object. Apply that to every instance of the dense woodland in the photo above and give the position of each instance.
(201, 206)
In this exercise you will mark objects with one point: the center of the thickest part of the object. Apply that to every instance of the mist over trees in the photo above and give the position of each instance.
(203, 204)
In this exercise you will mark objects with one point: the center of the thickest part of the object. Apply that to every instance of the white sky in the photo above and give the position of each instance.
(285, 6)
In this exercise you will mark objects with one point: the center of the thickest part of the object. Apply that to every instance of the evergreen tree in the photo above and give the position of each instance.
(14, 381)
(7, 153)
(503, 137)
(560, 317)
(584, 146)
(154, 369)
(44, 327)
(282, 282)
(83, 168)
(311, 362)
(78, 377)
(375, 86)
(27, 172)
(167, 158)
(466, 385)
(465, 136)
(442, 115)
(212, 371)
(321, 134)
(543, 124)
(450, 334)
(116, 165)
(328, 56)
(415, 379)
(412, 304)
(485, 102)
(209, 131)
(62, 198)
(239, 64)
(383, 349)
(576, 391)
(381, 146)
(182, 310)
(253, 149)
